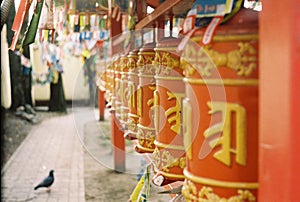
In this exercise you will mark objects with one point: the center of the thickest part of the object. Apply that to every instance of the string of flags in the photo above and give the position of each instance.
(52, 23)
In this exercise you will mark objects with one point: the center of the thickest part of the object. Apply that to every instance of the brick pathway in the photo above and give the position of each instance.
(53, 144)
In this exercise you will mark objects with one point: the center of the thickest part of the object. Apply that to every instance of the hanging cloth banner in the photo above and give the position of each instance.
(211, 29)
(19, 21)
(32, 29)
(47, 21)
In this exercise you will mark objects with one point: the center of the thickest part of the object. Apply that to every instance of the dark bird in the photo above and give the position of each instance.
(47, 182)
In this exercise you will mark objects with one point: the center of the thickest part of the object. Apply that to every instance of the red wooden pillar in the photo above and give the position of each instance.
(279, 119)
(118, 141)
(101, 104)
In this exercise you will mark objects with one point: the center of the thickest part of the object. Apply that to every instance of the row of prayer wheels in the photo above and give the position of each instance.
(195, 110)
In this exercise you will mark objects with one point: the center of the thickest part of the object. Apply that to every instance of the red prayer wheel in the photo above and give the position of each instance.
(221, 114)
(169, 154)
(146, 130)
(133, 81)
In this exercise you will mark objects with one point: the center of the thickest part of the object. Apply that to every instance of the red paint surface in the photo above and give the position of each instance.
(279, 101)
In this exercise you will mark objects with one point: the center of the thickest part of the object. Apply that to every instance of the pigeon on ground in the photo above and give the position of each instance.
(47, 182)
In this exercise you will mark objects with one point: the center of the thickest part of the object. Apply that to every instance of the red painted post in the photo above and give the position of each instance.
(117, 135)
(118, 142)
(279, 127)
(101, 104)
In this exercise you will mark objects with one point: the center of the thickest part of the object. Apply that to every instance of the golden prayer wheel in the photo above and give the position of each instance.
(133, 81)
(220, 114)
(109, 82)
(169, 154)
(117, 91)
(146, 130)
(124, 92)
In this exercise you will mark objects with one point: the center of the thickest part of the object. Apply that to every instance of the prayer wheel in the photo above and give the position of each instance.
(169, 153)
(124, 92)
(109, 84)
(146, 130)
(220, 113)
(117, 92)
(133, 81)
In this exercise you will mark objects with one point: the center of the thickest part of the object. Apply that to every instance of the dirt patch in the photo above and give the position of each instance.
(102, 183)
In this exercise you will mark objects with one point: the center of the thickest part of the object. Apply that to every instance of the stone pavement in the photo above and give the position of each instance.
(53, 144)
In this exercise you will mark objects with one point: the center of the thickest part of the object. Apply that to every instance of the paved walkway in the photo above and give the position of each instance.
(53, 144)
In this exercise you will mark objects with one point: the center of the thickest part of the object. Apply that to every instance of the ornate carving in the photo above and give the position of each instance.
(242, 60)
(164, 63)
(146, 137)
(156, 157)
(168, 161)
(131, 64)
(144, 64)
(132, 125)
(193, 60)
(164, 160)
(206, 194)
(123, 64)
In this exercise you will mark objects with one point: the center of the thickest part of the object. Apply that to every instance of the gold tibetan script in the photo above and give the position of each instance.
(174, 113)
(131, 94)
(225, 127)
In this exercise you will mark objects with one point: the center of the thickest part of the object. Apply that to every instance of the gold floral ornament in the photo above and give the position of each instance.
(206, 194)
(144, 64)
(146, 138)
(168, 161)
(156, 157)
(131, 124)
(242, 60)
(131, 64)
(165, 63)
(123, 64)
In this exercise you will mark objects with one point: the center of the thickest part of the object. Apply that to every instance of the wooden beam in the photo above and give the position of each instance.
(153, 3)
(160, 10)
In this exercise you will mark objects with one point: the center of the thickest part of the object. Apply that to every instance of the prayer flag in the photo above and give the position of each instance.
(32, 29)
(19, 21)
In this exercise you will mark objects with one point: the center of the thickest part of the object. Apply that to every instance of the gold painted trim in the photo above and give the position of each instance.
(168, 146)
(174, 48)
(219, 183)
(222, 38)
(145, 127)
(145, 75)
(130, 73)
(171, 78)
(226, 82)
(170, 175)
(144, 148)
(133, 115)
(146, 53)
